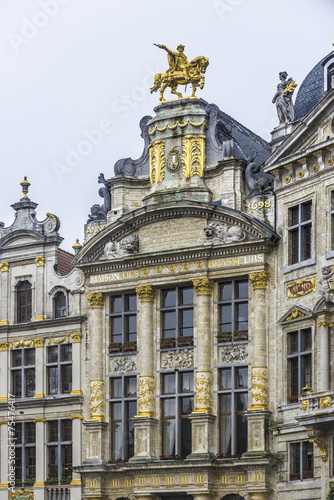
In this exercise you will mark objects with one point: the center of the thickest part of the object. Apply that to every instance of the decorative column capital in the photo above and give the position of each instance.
(4, 266)
(3, 346)
(259, 279)
(40, 261)
(96, 300)
(203, 286)
(76, 337)
(39, 342)
(146, 293)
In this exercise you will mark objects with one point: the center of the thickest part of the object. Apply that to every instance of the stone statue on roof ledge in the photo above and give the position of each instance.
(283, 99)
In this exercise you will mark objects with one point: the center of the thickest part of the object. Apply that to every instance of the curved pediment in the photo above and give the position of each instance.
(17, 238)
(172, 226)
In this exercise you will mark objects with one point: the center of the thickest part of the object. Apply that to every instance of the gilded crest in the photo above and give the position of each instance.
(173, 160)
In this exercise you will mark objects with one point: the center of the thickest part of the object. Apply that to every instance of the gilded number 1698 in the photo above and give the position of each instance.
(259, 204)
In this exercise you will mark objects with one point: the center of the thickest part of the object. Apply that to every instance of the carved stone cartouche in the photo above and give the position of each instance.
(223, 233)
(127, 246)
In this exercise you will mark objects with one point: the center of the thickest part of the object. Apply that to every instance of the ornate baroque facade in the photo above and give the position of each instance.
(187, 352)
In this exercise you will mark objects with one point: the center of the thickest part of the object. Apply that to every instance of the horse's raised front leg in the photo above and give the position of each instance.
(202, 82)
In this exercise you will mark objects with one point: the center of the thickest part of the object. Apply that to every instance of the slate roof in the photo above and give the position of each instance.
(64, 265)
(311, 90)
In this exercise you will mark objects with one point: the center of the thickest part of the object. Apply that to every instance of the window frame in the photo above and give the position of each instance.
(178, 308)
(27, 291)
(234, 301)
(124, 314)
(302, 452)
(60, 444)
(300, 356)
(299, 228)
(55, 306)
(23, 368)
(59, 365)
(125, 421)
(24, 446)
(233, 391)
(178, 395)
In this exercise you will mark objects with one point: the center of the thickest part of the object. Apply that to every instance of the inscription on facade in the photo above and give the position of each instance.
(301, 287)
(211, 264)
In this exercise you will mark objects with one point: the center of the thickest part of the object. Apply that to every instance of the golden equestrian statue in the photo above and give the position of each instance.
(180, 72)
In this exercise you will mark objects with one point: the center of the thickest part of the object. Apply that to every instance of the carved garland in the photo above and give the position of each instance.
(146, 397)
(259, 389)
(203, 398)
(96, 400)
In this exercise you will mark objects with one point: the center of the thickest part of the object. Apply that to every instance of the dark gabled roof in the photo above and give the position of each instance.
(311, 90)
(64, 265)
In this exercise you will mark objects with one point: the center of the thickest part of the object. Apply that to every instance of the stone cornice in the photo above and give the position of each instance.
(43, 325)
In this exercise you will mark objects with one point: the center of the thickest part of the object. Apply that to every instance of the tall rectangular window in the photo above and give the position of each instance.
(123, 408)
(301, 461)
(300, 232)
(25, 452)
(23, 373)
(233, 402)
(233, 310)
(59, 369)
(24, 301)
(177, 400)
(300, 362)
(123, 318)
(59, 447)
(177, 312)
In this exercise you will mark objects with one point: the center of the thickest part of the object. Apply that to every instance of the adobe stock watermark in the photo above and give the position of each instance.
(11, 442)
(93, 138)
(38, 21)
(223, 7)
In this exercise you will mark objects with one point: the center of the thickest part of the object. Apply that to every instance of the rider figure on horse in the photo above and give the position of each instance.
(177, 60)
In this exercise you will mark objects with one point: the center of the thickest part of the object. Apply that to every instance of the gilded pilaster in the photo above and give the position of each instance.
(145, 423)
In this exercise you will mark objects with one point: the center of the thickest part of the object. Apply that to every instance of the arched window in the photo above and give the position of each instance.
(60, 305)
(24, 302)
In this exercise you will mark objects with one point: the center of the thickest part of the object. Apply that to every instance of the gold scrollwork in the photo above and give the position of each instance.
(259, 279)
(319, 437)
(259, 389)
(193, 155)
(21, 343)
(203, 397)
(145, 271)
(185, 265)
(203, 286)
(295, 313)
(96, 400)
(305, 405)
(59, 341)
(4, 266)
(158, 269)
(325, 402)
(145, 397)
(96, 300)
(199, 264)
(301, 287)
(40, 261)
(39, 342)
(171, 268)
(3, 346)
(146, 293)
(76, 337)
(22, 495)
(157, 161)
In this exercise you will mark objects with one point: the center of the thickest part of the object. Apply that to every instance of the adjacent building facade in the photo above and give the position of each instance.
(187, 352)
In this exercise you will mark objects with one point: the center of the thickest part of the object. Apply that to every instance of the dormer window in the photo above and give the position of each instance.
(24, 306)
(60, 306)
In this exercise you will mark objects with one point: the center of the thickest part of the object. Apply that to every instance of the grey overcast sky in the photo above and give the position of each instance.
(70, 67)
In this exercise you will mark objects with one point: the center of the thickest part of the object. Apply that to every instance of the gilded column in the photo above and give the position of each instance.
(258, 414)
(202, 420)
(39, 370)
(4, 316)
(96, 425)
(76, 364)
(145, 422)
(323, 325)
(40, 263)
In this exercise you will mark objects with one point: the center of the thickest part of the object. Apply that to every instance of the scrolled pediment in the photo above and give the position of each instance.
(296, 313)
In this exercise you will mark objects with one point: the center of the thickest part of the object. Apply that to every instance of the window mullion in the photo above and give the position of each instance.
(177, 416)
(233, 412)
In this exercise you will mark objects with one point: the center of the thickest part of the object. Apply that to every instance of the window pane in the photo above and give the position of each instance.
(53, 379)
(226, 379)
(130, 440)
(241, 402)
(53, 461)
(31, 462)
(17, 358)
(186, 323)
(169, 407)
(117, 440)
(294, 342)
(17, 384)
(225, 403)
(242, 377)
(169, 298)
(226, 318)
(116, 326)
(30, 381)
(131, 409)
(187, 405)
(169, 324)
(294, 216)
(306, 211)
(131, 302)
(241, 433)
(187, 296)
(225, 434)
(131, 384)
(242, 289)
(53, 432)
(30, 433)
(116, 411)
(116, 387)
(67, 378)
(187, 382)
(226, 291)
(67, 430)
(66, 351)
(67, 460)
(242, 316)
(168, 437)
(169, 384)
(60, 305)
(53, 354)
(29, 357)
(18, 433)
(18, 463)
(132, 328)
(294, 461)
(116, 304)
(306, 340)
(185, 437)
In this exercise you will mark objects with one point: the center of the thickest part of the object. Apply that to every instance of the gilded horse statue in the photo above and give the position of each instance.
(180, 72)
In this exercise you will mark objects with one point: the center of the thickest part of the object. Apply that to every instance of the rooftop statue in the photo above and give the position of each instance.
(283, 99)
(99, 212)
(180, 72)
